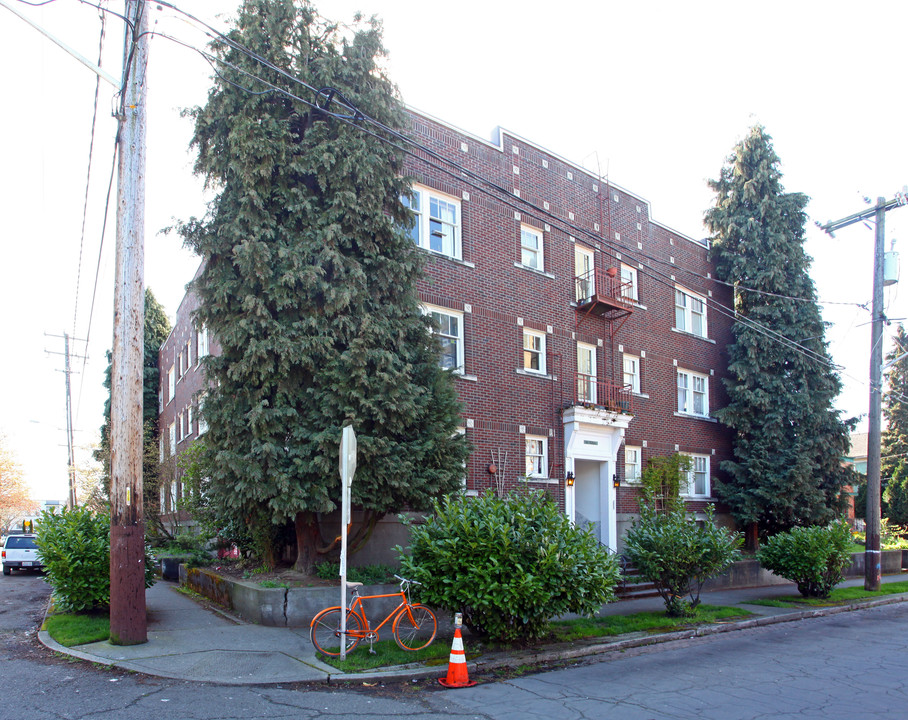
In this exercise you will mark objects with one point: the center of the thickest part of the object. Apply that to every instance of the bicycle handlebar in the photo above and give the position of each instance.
(406, 580)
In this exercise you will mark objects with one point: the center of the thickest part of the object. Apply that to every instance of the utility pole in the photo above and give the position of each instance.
(872, 570)
(128, 624)
(70, 445)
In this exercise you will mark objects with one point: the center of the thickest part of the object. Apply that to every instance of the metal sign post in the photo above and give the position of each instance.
(347, 470)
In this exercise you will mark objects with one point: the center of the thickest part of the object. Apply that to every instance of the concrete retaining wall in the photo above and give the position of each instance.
(280, 607)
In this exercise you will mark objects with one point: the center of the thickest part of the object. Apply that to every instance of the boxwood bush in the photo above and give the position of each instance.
(75, 551)
(814, 557)
(508, 564)
(677, 555)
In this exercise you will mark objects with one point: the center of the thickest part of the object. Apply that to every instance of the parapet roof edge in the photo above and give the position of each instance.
(497, 143)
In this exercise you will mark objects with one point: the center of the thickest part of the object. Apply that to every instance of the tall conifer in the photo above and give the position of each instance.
(309, 284)
(894, 463)
(789, 440)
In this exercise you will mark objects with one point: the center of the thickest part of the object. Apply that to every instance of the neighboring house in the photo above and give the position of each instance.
(856, 458)
(585, 337)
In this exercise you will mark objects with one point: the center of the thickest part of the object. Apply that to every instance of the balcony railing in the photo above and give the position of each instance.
(591, 392)
(600, 285)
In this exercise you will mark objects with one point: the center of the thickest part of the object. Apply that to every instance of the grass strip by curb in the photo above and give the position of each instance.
(839, 596)
(71, 629)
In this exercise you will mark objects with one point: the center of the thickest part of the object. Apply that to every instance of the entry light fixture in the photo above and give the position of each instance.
(615, 481)
(570, 479)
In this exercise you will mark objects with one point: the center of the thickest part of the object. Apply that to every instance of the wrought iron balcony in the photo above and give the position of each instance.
(602, 394)
(604, 293)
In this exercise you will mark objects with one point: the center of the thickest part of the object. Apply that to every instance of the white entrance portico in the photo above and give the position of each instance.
(592, 437)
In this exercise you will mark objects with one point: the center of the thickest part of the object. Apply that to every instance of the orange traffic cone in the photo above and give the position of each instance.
(458, 676)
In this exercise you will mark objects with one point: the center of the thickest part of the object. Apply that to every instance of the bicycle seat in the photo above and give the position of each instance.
(352, 585)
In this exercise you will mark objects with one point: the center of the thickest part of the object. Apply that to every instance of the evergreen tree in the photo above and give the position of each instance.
(894, 450)
(789, 440)
(157, 328)
(309, 286)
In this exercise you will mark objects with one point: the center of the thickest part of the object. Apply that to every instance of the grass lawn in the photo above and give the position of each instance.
(70, 629)
(388, 653)
(839, 596)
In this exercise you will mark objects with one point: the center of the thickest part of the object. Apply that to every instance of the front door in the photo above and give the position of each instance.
(592, 499)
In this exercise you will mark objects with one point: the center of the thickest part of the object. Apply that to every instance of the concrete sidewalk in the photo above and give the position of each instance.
(190, 641)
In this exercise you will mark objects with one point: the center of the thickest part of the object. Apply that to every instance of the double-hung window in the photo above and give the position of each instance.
(698, 484)
(586, 373)
(201, 344)
(173, 439)
(629, 283)
(631, 365)
(534, 351)
(690, 313)
(531, 247)
(693, 393)
(536, 457)
(631, 464)
(449, 330)
(437, 222)
(203, 424)
(171, 384)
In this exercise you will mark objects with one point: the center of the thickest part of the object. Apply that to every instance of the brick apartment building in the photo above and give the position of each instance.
(585, 337)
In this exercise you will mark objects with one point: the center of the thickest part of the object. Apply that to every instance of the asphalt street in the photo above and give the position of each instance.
(847, 666)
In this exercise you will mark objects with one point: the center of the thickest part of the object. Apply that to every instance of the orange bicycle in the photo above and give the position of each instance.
(414, 625)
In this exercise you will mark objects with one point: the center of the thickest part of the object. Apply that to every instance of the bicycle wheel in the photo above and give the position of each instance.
(324, 632)
(414, 627)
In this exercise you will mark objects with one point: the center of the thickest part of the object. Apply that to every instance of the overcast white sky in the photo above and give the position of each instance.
(655, 94)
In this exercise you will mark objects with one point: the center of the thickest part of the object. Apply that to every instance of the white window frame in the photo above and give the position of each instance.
(629, 275)
(171, 385)
(457, 339)
(201, 344)
(427, 208)
(189, 354)
(163, 499)
(161, 449)
(534, 351)
(584, 262)
(586, 382)
(634, 375)
(699, 466)
(203, 424)
(531, 250)
(180, 433)
(686, 312)
(536, 456)
(691, 385)
(173, 439)
(633, 466)
(188, 420)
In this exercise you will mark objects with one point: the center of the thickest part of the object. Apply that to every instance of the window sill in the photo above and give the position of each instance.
(693, 335)
(539, 480)
(534, 270)
(463, 376)
(453, 259)
(530, 373)
(705, 418)
(640, 395)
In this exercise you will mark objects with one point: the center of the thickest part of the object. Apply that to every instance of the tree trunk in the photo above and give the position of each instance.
(308, 539)
(752, 538)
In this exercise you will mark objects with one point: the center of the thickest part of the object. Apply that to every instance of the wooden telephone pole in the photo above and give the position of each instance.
(128, 624)
(872, 566)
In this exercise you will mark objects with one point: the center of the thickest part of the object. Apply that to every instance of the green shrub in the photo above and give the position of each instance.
(508, 564)
(366, 574)
(677, 555)
(814, 558)
(75, 551)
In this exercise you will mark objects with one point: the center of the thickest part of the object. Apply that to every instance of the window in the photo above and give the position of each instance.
(180, 434)
(534, 351)
(203, 424)
(449, 329)
(536, 457)
(179, 365)
(189, 420)
(690, 313)
(585, 282)
(202, 344)
(629, 283)
(173, 439)
(173, 496)
(160, 449)
(632, 372)
(188, 354)
(698, 476)
(163, 495)
(437, 222)
(693, 393)
(171, 384)
(631, 464)
(531, 247)
(586, 373)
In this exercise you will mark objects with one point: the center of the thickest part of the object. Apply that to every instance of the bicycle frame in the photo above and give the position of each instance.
(361, 612)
